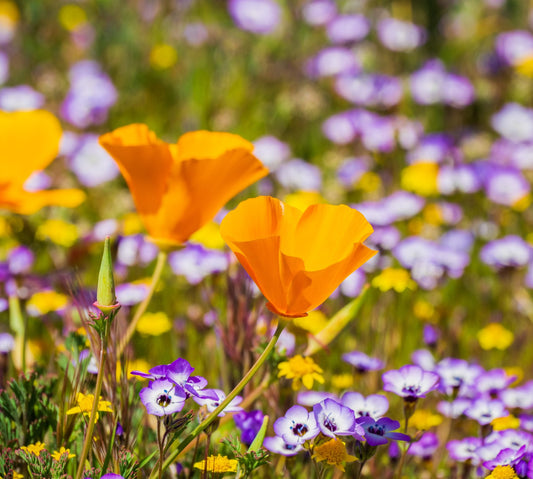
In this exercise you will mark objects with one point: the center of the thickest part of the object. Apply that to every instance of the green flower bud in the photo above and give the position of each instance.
(105, 295)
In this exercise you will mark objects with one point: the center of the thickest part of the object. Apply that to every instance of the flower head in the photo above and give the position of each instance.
(378, 432)
(333, 452)
(297, 426)
(334, 419)
(178, 188)
(34, 448)
(57, 454)
(279, 446)
(29, 141)
(410, 382)
(503, 472)
(302, 370)
(85, 405)
(212, 398)
(217, 464)
(296, 258)
(163, 397)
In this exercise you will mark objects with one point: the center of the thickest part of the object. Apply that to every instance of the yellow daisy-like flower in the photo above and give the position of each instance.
(342, 381)
(424, 310)
(154, 324)
(393, 278)
(209, 236)
(314, 322)
(369, 182)
(423, 419)
(333, 452)
(57, 454)
(301, 370)
(34, 448)
(85, 405)
(495, 336)
(43, 302)
(217, 464)
(163, 56)
(59, 232)
(421, 178)
(504, 423)
(17, 475)
(502, 472)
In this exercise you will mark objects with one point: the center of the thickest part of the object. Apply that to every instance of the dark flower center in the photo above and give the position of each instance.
(164, 400)
(330, 424)
(290, 447)
(300, 429)
(378, 430)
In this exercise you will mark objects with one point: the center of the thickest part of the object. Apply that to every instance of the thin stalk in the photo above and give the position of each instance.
(209, 419)
(98, 389)
(161, 260)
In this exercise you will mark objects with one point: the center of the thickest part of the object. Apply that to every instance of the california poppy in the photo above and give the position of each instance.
(178, 188)
(296, 258)
(29, 141)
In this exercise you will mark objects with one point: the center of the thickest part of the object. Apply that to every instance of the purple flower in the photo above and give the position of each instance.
(129, 294)
(334, 419)
(427, 83)
(195, 34)
(514, 122)
(319, 12)
(4, 67)
(433, 148)
(21, 97)
(353, 284)
(363, 363)
(505, 185)
(460, 178)
(332, 61)
(374, 405)
(410, 382)
(277, 445)
(162, 397)
(377, 432)
(457, 375)
(20, 260)
(7, 343)
(398, 206)
(271, 151)
(400, 36)
(455, 408)
(297, 426)
(510, 251)
(310, 398)
(465, 450)
(423, 358)
(298, 174)
(369, 90)
(212, 398)
(458, 91)
(493, 381)
(352, 169)
(518, 398)
(196, 262)
(425, 447)
(484, 410)
(249, 423)
(134, 249)
(348, 28)
(513, 46)
(431, 335)
(256, 16)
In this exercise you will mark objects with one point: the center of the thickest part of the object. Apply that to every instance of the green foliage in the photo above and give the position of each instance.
(26, 410)
(250, 460)
(44, 466)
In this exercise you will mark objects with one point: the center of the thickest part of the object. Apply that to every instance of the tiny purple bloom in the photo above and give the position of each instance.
(425, 447)
(363, 363)
(162, 397)
(377, 432)
(211, 398)
(297, 426)
(277, 445)
(410, 382)
(334, 419)
(374, 405)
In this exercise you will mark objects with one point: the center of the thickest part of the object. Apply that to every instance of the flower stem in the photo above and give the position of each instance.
(161, 260)
(98, 389)
(243, 382)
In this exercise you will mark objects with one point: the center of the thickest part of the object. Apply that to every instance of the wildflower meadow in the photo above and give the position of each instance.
(266, 239)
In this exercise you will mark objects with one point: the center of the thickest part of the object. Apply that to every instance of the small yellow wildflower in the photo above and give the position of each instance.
(138, 365)
(523, 203)
(17, 475)
(333, 452)
(43, 302)
(303, 199)
(424, 310)
(314, 322)
(524, 66)
(421, 178)
(9, 13)
(433, 214)
(502, 472)
(515, 371)
(131, 224)
(34, 448)
(301, 370)
(393, 278)
(57, 454)
(423, 419)
(217, 464)
(154, 324)
(209, 236)
(369, 182)
(72, 17)
(163, 56)
(495, 336)
(59, 232)
(85, 405)
(342, 381)
(507, 422)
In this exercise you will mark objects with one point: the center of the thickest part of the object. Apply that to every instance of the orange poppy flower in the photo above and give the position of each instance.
(296, 258)
(178, 188)
(29, 141)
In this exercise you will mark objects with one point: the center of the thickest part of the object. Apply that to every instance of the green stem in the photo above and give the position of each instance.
(161, 260)
(98, 389)
(209, 419)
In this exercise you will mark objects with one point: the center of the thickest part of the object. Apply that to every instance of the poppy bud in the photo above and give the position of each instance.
(106, 300)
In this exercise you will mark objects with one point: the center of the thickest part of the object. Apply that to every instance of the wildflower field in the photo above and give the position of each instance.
(266, 239)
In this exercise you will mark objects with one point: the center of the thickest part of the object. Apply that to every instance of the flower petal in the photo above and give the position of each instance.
(209, 144)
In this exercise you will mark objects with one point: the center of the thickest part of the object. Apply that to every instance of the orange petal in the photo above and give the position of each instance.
(144, 161)
(26, 202)
(209, 144)
(29, 141)
(199, 188)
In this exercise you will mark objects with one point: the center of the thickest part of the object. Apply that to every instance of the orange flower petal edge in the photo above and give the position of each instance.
(178, 188)
(296, 258)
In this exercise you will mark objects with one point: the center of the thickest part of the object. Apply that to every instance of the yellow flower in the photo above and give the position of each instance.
(515, 371)
(421, 178)
(423, 419)
(303, 199)
(524, 66)
(57, 454)
(342, 381)
(433, 214)
(85, 405)
(72, 17)
(495, 336)
(138, 365)
(523, 203)
(154, 324)
(333, 452)
(17, 475)
(393, 278)
(44, 302)
(301, 370)
(369, 182)
(59, 232)
(209, 236)
(314, 322)
(507, 422)
(163, 56)
(217, 464)
(502, 472)
(34, 448)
